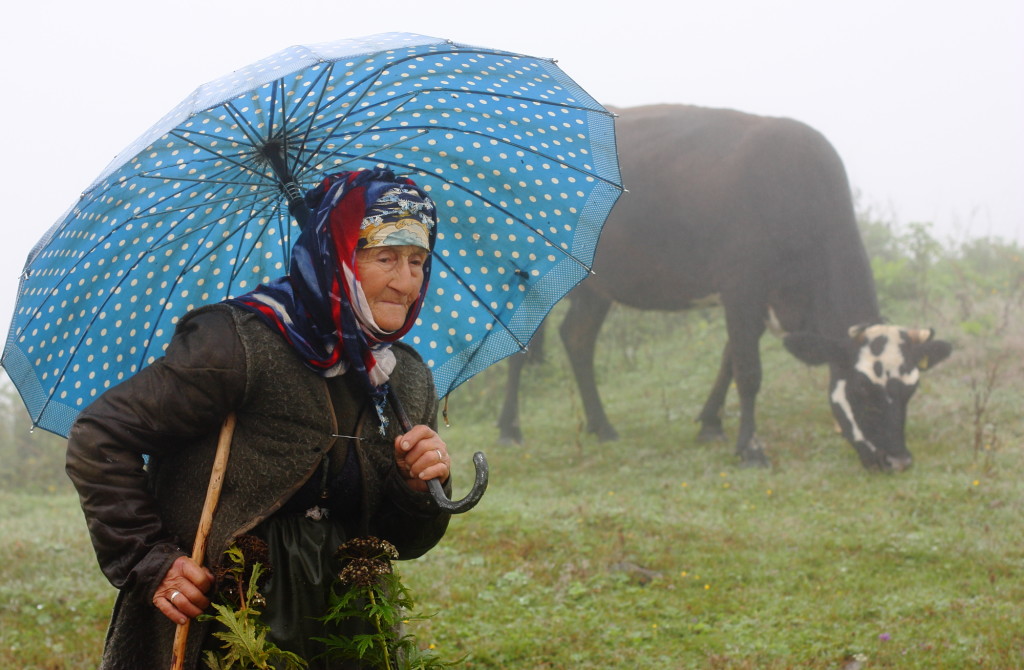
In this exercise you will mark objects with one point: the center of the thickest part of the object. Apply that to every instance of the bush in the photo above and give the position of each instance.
(33, 459)
(912, 265)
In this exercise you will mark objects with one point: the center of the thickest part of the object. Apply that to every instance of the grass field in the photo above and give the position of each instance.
(658, 552)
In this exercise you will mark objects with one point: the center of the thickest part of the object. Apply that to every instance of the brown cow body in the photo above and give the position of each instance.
(756, 210)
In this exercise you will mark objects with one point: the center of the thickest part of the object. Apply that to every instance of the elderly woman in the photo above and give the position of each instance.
(317, 458)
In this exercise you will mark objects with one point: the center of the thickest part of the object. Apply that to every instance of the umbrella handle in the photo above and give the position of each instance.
(474, 495)
(434, 485)
(220, 464)
(275, 152)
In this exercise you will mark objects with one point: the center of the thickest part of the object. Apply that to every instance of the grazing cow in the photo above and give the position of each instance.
(756, 211)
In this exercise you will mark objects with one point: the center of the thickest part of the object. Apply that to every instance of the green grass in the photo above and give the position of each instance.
(54, 602)
(658, 552)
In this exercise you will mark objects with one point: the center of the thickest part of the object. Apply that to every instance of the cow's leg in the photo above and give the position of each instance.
(510, 431)
(579, 330)
(711, 416)
(745, 325)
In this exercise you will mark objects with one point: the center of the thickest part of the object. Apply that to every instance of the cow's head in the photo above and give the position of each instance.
(874, 373)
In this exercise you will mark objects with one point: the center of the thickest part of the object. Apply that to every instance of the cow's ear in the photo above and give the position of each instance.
(927, 355)
(815, 349)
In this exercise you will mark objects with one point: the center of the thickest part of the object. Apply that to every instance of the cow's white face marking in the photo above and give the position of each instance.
(840, 400)
(881, 358)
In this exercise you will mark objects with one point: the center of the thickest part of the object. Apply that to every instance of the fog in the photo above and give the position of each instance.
(923, 100)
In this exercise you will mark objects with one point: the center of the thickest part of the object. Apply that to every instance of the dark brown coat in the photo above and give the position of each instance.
(141, 519)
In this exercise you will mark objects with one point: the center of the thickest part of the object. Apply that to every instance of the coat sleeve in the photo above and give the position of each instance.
(409, 519)
(164, 407)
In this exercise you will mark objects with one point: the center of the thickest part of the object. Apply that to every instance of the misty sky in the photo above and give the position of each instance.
(924, 100)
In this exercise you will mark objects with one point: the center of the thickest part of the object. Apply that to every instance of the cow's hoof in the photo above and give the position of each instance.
(606, 434)
(711, 434)
(753, 455)
(512, 437)
(756, 462)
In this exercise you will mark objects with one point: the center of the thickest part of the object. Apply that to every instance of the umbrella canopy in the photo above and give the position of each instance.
(519, 159)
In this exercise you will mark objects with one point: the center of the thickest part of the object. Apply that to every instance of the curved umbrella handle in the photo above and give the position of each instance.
(436, 490)
(474, 495)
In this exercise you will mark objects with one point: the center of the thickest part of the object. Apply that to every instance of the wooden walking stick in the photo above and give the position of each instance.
(220, 464)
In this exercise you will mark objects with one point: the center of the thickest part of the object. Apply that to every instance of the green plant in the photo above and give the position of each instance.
(244, 635)
(32, 460)
(903, 262)
(368, 590)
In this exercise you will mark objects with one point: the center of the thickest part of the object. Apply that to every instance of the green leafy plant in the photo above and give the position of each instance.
(244, 635)
(370, 594)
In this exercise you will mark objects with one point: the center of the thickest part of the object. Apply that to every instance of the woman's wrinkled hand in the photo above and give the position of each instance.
(421, 455)
(182, 593)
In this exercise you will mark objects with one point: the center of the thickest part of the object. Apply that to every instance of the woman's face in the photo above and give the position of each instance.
(391, 278)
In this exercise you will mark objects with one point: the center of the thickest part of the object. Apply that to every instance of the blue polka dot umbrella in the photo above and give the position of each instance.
(519, 159)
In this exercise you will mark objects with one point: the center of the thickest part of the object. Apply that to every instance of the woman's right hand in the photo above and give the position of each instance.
(182, 593)
(420, 455)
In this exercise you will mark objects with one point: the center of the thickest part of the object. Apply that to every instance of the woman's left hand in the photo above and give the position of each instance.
(421, 454)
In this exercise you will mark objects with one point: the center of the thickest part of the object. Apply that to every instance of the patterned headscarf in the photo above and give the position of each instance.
(319, 307)
(399, 217)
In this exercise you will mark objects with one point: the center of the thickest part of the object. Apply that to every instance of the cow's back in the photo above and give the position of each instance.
(724, 201)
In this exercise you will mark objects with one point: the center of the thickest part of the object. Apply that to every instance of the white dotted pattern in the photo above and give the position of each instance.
(519, 159)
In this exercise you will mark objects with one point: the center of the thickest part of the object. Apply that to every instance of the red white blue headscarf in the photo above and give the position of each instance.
(319, 307)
